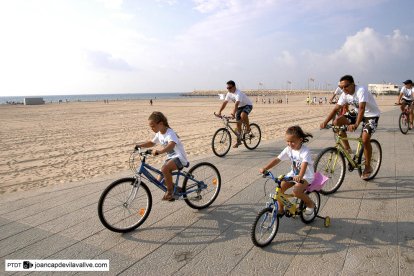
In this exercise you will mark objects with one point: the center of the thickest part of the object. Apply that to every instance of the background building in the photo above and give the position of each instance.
(384, 89)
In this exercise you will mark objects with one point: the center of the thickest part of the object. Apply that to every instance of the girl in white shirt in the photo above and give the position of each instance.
(171, 144)
(302, 166)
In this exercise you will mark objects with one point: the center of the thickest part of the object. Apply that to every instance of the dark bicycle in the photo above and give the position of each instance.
(221, 142)
(126, 203)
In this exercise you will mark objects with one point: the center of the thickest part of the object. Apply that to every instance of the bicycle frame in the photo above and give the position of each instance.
(407, 110)
(281, 197)
(227, 122)
(145, 170)
(339, 146)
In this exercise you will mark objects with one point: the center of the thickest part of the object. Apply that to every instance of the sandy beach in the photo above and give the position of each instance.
(58, 143)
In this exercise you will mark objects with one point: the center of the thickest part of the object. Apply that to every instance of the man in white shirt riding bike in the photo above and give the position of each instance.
(242, 107)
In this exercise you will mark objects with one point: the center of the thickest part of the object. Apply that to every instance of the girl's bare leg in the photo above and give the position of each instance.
(299, 192)
(283, 187)
(167, 170)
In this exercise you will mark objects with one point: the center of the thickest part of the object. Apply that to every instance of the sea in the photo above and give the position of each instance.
(94, 97)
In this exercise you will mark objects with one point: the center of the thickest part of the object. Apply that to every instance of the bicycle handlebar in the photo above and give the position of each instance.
(279, 179)
(329, 126)
(223, 116)
(143, 153)
(412, 103)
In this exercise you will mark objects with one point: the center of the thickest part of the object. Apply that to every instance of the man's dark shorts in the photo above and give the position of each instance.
(247, 109)
(351, 116)
(370, 124)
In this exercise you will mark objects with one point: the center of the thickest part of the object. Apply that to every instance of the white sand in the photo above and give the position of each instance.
(56, 143)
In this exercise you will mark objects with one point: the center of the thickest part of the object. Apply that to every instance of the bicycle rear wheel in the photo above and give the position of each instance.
(376, 159)
(403, 123)
(221, 142)
(331, 163)
(204, 187)
(123, 206)
(316, 198)
(264, 228)
(252, 139)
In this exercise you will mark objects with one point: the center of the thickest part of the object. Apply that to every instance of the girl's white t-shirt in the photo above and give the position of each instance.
(177, 151)
(297, 157)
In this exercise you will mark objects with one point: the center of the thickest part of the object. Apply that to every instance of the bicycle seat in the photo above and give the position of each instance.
(186, 166)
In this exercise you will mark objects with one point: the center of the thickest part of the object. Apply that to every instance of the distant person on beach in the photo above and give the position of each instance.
(150, 101)
(242, 107)
(368, 115)
(171, 144)
(406, 97)
(302, 170)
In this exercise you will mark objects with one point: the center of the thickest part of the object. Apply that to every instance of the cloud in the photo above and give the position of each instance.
(368, 55)
(111, 4)
(369, 49)
(209, 6)
(105, 61)
(166, 2)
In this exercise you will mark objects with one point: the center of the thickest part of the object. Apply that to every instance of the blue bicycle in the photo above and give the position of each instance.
(126, 203)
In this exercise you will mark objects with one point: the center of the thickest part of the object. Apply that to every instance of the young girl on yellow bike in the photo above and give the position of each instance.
(302, 166)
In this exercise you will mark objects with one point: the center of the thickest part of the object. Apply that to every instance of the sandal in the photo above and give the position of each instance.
(168, 197)
(367, 173)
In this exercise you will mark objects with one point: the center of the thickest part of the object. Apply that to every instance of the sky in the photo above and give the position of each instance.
(57, 47)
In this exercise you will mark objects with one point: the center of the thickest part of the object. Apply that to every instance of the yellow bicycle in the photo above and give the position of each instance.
(331, 160)
(266, 224)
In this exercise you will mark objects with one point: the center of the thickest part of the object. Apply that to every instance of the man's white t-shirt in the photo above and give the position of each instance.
(361, 95)
(238, 96)
(297, 157)
(177, 151)
(407, 93)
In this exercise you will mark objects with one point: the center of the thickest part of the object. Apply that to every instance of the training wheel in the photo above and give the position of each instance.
(327, 221)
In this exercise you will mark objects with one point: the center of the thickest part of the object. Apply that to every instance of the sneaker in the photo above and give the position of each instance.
(309, 211)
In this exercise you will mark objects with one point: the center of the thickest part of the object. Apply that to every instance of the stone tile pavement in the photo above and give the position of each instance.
(372, 223)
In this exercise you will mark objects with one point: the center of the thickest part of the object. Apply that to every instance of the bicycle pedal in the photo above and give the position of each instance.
(197, 197)
(350, 167)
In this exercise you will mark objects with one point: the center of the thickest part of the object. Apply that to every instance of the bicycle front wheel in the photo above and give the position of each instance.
(376, 159)
(203, 185)
(316, 198)
(264, 228)
(252, 139)
(124, 206)
(331, 163)
(221, 142)
(403, 123)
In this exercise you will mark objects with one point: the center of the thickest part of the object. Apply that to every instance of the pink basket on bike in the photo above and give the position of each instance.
(318, 181)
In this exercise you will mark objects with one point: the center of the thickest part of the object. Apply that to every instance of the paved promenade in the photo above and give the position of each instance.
(372, 223)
